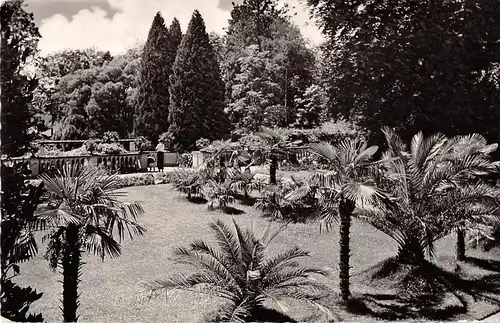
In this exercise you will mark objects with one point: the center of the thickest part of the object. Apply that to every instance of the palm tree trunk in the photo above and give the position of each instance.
(411, 251)
(273, 168)
(346, 207)
(460, 247)
(71, 273)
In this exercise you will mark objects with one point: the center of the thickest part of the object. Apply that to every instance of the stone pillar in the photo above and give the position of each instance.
(197, 158)
(35, 166)
(143, 161)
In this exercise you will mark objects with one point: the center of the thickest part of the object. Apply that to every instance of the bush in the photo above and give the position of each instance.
(202, 143)
(136, 180)
(186, 160)
(91, 145)
(110, 137)
(164, 178)
(143, 144)
(110, 149)
(331, 131)
(167, 138)
(275, 201)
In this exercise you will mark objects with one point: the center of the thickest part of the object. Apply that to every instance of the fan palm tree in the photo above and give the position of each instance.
(239, 272)
(188, 182)
(434, 189)
(218, 194)
(459, 149)
(277, 145)
(86, 214)
(276, 200)
(347, 184)
(245, 181)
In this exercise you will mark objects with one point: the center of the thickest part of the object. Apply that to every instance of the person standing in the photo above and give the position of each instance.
(160, 151)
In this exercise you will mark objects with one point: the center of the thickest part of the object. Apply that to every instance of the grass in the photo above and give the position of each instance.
(111, 291)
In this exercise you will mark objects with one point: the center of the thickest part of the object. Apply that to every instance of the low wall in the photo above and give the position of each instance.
(43, 164)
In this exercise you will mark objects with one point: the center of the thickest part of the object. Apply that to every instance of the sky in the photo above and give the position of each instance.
(117, 25)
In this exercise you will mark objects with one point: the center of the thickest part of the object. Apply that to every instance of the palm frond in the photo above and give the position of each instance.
(284, 259)
(325, 150)
(100, 242)
(365, 155)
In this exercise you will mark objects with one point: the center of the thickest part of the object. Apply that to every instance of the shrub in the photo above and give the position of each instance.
(202, 143)
(275, 201)
(186, 160)
(217, 194)
(110, 149)
(164, 178)
(136, 180)
(331, 131)
(167, 138)
(142, 143)
(187, 182)
(110, 137)
(91, 146)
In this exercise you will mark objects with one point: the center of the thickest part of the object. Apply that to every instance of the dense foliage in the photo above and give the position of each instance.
(19, 202)
(19, 44)
(86, 102)
(152, 111)
(267, 66)
(196, 90)
(412, 64)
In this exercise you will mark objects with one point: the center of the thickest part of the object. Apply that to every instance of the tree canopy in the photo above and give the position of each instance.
(414, 65)
(156, 67)
(19, 44)
(196, 90)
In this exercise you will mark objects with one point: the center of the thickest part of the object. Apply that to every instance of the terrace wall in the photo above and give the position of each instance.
(132, 160)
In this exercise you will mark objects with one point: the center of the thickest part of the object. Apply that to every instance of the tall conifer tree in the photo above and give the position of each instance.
(153, 99)
(175, 40)
(196, 90)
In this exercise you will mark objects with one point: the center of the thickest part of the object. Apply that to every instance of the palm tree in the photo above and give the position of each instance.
(347, 184)
(86, 214)
(238, 272)
(458, 149)
(277, 145)
(244, 181)
(218, 194)
(188, 182)
(434, 190)
(292, 200)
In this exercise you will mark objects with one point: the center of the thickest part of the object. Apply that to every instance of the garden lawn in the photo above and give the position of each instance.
(111, 291)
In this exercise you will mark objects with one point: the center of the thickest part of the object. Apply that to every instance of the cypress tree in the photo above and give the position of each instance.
(153, 98)
(196, 90)
(175, 40)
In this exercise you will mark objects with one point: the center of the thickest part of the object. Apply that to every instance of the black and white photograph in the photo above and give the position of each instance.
(189, 161)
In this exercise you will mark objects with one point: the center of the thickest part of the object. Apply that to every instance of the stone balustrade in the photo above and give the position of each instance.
(122, 162)
(141, 161)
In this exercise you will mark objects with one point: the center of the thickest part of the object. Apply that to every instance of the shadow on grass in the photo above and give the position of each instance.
(422, 292)
(270, 315)
(245, 200)
(261, 314)
(488, 264)
(197, 200)
(232, 210)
